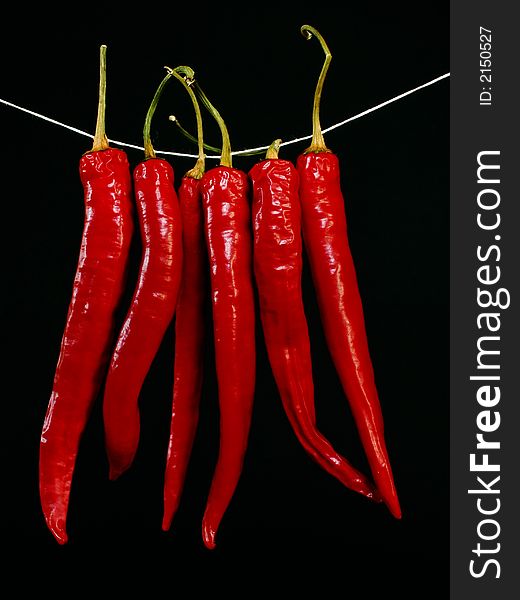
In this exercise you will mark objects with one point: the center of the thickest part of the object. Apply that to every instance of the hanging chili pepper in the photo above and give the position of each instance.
(98, 287)
(228, 236)
(153, 303)
(333, 272)
(189, 330)
(278, 271)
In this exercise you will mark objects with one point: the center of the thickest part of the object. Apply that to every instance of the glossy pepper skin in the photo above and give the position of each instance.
(228, 237)
(278, 271)
(189, 346)
(97, 290)
(150, 312)
(334, 276)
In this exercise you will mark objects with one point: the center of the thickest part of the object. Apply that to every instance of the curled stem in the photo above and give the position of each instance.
(274, 148)
(193, 139)
(190, 136)
(225, 156)
(198, 170)
(100, 138)
(318, 142)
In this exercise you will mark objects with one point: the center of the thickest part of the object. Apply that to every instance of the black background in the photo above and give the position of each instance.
(288, 518)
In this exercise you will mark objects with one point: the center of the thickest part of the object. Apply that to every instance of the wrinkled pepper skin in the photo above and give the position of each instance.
(189, 346)
(334, 276)
(228, 237)
(278, 272)
(150, 312)
(86, 342)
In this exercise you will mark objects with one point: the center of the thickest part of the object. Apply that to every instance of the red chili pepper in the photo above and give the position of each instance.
(278, 270)
(189, 332)
(228, 236)
(153, 303)
(97, 290)
(333, 272)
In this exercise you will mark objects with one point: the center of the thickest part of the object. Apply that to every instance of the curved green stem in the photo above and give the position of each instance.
(225, 156)
(198, 170)
(100, 138)
(149, 152)
(191, 137)
(187, 72)
(318, 142)
(274, 148)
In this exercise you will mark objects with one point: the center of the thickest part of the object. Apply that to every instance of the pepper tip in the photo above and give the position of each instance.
(166, 523)
(62, 540)
(114, 473)
(396, 511)
(392, 503)
(57, 528)
(208, 536)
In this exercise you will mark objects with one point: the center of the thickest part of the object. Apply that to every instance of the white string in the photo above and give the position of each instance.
(237, 152)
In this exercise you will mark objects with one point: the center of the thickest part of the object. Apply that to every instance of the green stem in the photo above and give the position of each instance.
(274, 148)
(318, 142)
(198, 170)
(225, 156)
(191, 137)
(149, 152)
(100, 138)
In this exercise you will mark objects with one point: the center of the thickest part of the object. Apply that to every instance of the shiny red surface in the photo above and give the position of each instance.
(150, 312)
(278, 270)
(333, 272)
(189, 350)
(85, 345)
(228, 236)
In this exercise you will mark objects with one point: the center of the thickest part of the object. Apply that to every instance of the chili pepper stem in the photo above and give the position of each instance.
(274, 148)
(100, 138)
(149, 151)
(318, 141)
(225, 157)
(191, 137)
(198, 170)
